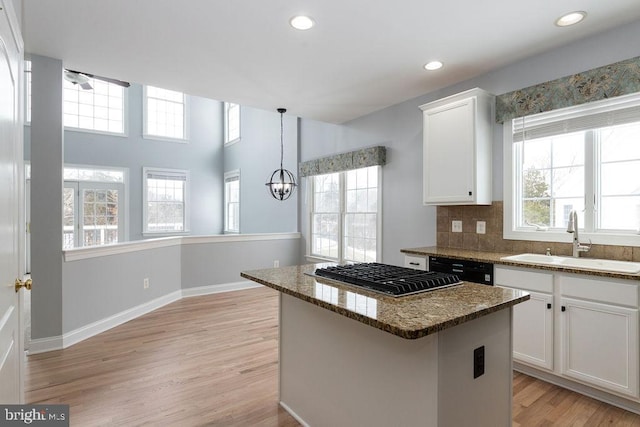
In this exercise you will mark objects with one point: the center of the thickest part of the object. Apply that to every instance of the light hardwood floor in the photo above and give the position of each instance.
(212, 360)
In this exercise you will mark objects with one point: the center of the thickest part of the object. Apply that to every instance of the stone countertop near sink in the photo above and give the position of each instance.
(495, 258)
(410, 317)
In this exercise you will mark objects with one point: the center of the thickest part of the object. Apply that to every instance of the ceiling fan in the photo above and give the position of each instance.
(82, 79)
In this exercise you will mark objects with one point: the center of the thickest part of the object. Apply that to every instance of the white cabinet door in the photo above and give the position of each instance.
(533, 331)
(600, 345)
(457, 140)
(449, 153)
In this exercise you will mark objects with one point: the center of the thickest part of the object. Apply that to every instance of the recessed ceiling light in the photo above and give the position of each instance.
(301, 22)
(433, 65)
(570, 18)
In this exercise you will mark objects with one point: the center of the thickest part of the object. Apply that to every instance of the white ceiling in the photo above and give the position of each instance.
(362, 55)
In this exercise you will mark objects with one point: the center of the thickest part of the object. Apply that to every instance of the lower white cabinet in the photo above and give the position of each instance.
(600, 345)
(580, 327)
(533, 331)
(415, 262)
(533, 319)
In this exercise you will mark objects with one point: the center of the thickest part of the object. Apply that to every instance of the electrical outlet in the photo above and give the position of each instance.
(481, 227)
(276, 263)
(456, 226)
(478, 362)
(145, 283)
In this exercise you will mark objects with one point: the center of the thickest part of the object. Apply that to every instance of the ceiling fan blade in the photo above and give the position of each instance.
(86, 86)
(104, 79)
(114, 81)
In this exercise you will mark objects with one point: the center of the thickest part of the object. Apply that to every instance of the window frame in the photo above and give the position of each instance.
(186, 202)
(591, 181)
(341, 217)
(27, 91)
(229, 177)
(125, 113)
(78, 222)
(228, 141)
(185, 119)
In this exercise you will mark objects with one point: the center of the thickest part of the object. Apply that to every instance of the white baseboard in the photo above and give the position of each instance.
(214, 289)
(43, 345)
(92, 329)
(293, 414)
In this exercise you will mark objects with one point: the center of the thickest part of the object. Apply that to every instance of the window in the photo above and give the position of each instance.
(93, 206)
(231, 123)
(100, 109)
(345, 216)
(27, 92)
(585, 158)
(232, 202)
(165, 113)
(165, 201)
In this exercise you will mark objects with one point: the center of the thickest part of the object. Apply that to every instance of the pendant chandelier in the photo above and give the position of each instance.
(282, 184)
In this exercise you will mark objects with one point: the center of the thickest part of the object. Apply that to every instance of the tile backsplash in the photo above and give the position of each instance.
(492, 240)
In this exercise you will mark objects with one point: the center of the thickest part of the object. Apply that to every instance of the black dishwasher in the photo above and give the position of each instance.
(468, 271)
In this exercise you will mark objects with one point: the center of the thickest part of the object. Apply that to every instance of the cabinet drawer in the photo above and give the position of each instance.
(524, 279)
(417, 262)
(600, 290)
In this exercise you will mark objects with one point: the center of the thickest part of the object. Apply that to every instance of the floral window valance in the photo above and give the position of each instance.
(612, 80)
(372, 156)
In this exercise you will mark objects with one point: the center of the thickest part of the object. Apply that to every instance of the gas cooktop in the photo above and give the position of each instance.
(389, 279)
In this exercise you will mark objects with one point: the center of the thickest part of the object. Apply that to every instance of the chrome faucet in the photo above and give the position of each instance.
(572, 227)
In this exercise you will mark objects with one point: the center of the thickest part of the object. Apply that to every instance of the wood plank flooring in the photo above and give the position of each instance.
(212, 360)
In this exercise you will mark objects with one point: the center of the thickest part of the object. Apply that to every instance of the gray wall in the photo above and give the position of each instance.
(406, 223)
(97, 288)
(257, 155)
(46, 202)
(219, 263)
(202, 156)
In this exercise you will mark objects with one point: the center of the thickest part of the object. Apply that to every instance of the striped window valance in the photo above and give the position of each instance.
(621, 78)
(372, 156)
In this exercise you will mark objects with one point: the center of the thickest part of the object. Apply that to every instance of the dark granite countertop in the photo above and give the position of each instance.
(410, 317)
(495, 258)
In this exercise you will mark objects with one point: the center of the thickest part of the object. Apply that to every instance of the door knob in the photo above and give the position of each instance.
(20, 284)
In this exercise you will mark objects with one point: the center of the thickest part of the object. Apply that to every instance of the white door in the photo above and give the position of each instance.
(11, 344)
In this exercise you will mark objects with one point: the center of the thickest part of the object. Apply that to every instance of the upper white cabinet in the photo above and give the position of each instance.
(457, 149)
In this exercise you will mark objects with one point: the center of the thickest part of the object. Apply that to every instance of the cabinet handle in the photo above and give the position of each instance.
(549, 305)
(414, 263)
(471, 193)
(564, 308)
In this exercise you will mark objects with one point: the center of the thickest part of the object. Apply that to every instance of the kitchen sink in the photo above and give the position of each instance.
(589, 263)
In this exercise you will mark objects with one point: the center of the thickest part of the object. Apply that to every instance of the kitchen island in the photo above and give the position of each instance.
(349, 356)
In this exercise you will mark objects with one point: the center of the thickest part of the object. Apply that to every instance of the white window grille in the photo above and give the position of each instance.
(165, 113)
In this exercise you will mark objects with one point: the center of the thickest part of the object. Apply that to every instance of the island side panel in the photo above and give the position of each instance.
(337, 371)
(486, 400)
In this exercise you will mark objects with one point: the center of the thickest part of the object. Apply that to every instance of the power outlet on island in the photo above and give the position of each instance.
(456, 226)
(145, 283)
